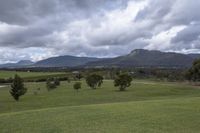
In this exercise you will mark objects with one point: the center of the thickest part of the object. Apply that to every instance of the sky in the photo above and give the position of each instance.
(39, 29)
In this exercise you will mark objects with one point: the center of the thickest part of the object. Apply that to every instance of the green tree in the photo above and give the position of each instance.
(77, 86)
(94, 81)
(123, 81)
(193, 73)
(17, 88)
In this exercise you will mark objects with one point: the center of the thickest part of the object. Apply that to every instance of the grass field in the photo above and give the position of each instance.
(10, 74)
(146, 107)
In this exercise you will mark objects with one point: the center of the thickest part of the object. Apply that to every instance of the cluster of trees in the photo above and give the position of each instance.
(193, 73)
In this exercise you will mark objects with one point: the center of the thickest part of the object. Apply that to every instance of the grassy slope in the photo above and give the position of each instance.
(145, 107)
(172, 116)
(8, 74)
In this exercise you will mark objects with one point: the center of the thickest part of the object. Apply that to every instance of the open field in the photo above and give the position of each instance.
(10, 74)
(145, 107)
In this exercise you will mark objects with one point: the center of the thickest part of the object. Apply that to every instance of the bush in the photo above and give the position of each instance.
(50, 85)
(77, 86)
(63, 78)
(41, 80)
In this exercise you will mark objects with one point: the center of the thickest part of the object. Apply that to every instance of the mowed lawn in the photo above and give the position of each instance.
(11, 74)
(146, 107)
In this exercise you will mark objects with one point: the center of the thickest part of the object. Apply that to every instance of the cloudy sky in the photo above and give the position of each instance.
(38, 29)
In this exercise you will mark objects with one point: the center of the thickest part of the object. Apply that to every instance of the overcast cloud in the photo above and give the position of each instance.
(38, 29)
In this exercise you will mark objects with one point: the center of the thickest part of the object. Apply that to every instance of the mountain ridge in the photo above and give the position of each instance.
(148, 58)
(136, 58)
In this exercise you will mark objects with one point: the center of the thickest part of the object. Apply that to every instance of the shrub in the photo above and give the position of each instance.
(77, 86)
(50, 85)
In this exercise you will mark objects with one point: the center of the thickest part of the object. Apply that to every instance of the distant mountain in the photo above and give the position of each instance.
(22, 63)
(195, 56)
(64, 61)
(147, 58)
(137, 58)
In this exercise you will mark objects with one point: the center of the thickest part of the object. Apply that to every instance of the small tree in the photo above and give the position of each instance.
(77, 86)
(123, 81)
(17, 88)
(94, 81)
(50, 85)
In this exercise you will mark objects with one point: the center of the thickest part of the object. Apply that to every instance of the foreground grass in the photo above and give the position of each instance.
(145, 107)
(154, 116)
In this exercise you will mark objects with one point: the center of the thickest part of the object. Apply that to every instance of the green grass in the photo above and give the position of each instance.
(160, 116)
(145, 107)
(10, 74)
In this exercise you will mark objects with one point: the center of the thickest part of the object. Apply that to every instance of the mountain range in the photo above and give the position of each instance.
(137, 58)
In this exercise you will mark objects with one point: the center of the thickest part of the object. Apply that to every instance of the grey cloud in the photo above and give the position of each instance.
(155, 10)
(184, 12)
(96, 27)
(188, 35)
(27, 11)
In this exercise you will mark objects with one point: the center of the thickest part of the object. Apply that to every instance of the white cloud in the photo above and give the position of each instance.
(40, 29)
(162, 41)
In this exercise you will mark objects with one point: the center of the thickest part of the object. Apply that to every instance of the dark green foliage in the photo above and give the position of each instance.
(9, 80)
(56, 81)
(193, 73)
(17, 88)
(123, 81)
(77, 86)
(69, 81)
(94, 81)
(50, 85)
(79, 76)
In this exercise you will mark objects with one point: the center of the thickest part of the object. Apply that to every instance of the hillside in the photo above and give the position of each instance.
(147, 58)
